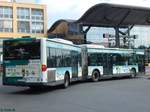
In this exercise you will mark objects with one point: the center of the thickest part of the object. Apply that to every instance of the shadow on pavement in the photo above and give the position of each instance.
(46, 89)
(36, 91)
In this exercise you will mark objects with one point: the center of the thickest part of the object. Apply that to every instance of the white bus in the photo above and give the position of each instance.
(39, 61)
(113, 62)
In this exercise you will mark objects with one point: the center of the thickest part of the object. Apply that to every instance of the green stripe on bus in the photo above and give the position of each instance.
(16, 62)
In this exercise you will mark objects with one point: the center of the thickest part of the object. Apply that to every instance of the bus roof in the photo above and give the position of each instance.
(139, 51)
(62, 41)
(92, 46)
(109, 50)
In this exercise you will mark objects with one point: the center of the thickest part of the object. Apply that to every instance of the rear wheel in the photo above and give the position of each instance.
(95, 76)
(66, 81)
(133, 73)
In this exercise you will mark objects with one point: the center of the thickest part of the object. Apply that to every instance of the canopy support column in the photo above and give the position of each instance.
(117, 37)
(84, 31)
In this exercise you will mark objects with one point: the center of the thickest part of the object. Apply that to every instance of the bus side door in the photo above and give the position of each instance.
(74, 63)
(107, 64)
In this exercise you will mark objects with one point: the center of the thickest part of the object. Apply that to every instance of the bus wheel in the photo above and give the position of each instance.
(66, 81)
(95, 76)
(133, 73)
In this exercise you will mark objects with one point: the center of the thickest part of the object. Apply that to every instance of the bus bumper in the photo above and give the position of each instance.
(16, 81)
(21, 82)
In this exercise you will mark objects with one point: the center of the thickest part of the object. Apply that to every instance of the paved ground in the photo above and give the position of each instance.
(123, 95)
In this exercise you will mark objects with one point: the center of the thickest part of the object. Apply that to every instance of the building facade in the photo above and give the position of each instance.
(22, 19)
(66, 29)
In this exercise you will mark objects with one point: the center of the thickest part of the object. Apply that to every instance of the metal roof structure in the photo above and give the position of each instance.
(108, 15)
(112, 15)
(53, 27)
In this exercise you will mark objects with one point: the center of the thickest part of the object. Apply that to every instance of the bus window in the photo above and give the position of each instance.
(22, 49)
(120, 59)
(51, 58)
(95, 59)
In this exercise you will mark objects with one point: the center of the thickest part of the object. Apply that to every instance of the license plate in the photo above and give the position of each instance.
(31, 79)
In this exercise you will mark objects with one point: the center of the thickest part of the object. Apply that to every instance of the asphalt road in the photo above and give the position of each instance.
(121, 95)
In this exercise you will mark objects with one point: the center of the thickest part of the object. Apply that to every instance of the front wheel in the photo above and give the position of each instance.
(133, 73)
(95, 76)
(66, 81)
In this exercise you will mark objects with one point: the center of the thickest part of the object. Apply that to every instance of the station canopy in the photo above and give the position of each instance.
(112, 15)
(108, 15)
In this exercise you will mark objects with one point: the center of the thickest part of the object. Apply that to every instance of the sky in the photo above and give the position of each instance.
(74, 9)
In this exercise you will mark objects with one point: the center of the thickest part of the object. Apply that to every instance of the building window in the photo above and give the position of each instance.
(37, 21)
(23, 13)
(5, 26)
(37, 27)
(6, 12)
(37, 15)
(23, 26)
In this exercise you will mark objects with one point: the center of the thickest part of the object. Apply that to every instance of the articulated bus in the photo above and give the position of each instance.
(38, 62)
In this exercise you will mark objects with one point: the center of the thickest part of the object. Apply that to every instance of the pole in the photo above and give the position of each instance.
(117, 37)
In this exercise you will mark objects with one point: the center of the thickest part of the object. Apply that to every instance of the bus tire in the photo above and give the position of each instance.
(95, 76)
(133, 73)
(66, 81)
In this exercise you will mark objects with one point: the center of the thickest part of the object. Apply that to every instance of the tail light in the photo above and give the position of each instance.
(43, 68)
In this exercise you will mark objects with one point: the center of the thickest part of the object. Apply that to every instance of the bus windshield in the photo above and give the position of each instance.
(21, 49)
